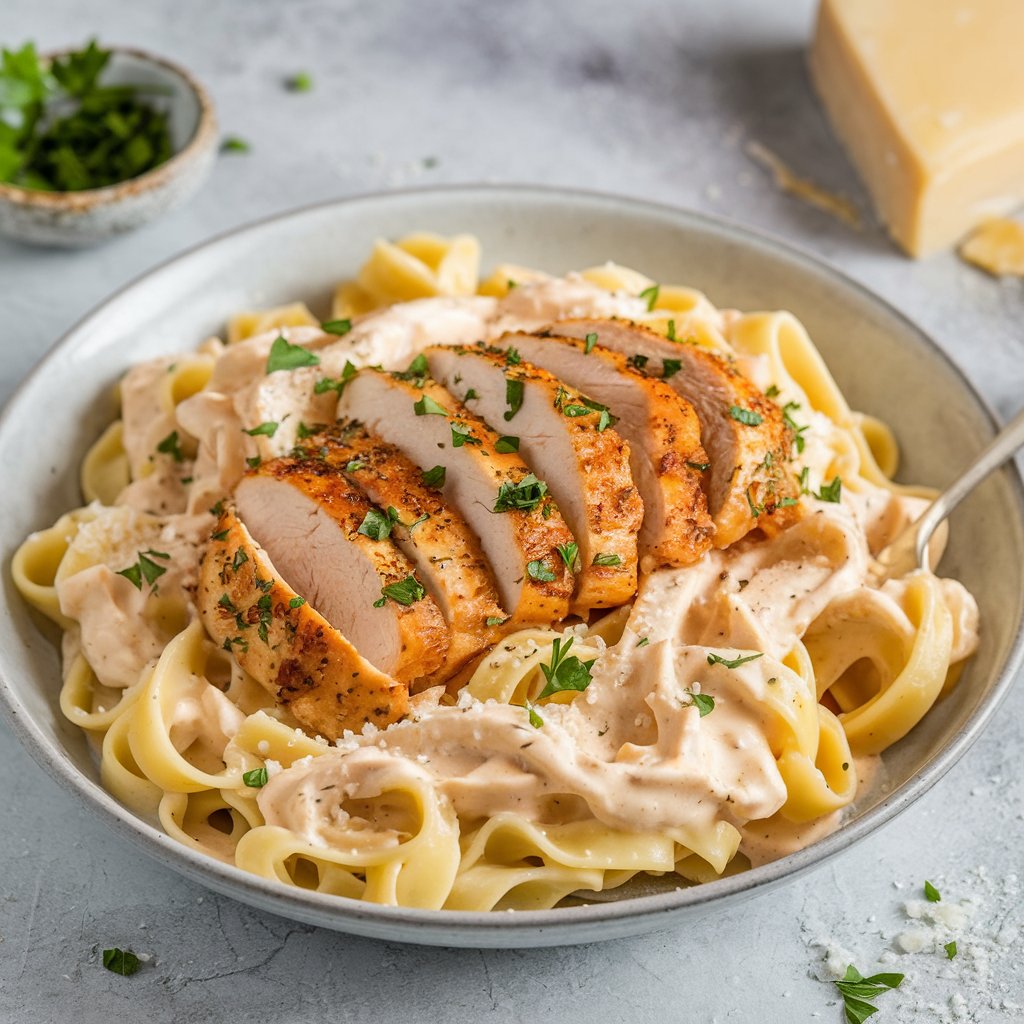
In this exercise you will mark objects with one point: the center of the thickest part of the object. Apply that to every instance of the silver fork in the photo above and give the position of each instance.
(909, 550)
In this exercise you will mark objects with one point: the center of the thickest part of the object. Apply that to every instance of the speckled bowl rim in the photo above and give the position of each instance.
(560, 926)
(89, 198)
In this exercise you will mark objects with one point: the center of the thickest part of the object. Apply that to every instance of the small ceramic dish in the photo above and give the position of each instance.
(94, 215)
(885, 364)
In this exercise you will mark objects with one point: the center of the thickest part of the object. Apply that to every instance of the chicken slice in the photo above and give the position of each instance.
(515, 519)
(306, 515)
(568, 441)
(666, 457)
(750, 483)
(286, 644)
(434, 537)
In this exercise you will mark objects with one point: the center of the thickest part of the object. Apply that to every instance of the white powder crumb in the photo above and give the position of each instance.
(914, 940)
(1007, 935)
(272, 766)
(263, 747)
(145, 957)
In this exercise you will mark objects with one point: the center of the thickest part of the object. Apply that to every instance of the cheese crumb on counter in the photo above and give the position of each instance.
(997, 247)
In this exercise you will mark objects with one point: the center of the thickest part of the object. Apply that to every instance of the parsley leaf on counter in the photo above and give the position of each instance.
(856, 990)
(233, 144)
(931, 894)
(121, 961)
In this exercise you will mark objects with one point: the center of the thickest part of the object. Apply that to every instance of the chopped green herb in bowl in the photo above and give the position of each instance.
(96, 141)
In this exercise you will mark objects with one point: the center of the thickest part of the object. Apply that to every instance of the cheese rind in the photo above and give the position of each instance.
(928, 98)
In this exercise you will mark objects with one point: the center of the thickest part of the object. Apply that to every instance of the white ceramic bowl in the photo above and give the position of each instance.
(93, 215)
(884, 363)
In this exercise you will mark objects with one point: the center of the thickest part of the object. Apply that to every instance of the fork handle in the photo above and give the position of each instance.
(1002, 447)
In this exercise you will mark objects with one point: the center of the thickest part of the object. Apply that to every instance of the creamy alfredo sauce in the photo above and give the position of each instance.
(632, 751)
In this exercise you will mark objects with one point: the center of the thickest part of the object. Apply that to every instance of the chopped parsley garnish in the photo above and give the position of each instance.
(268, 429)
(417, 369)
(506, 444)
(570, 554)
(338, 327)
(576, 410)
(461, 434)
(564, 672)
(950, 948)
(539, 571)
(717, 659)
(746, 416)
(804, 474)
(651, 295)
(285, 356)
(171, 446)
(637, 362)
(495, 620)
(234, 144)
(254, 462)
(353, 464)
(434, 477)
(604, 421)
(513, 397)
(643, 641)
(700, 467)
(856, 990)
(560, 396)
(535, 720)
(426, 406)
(63, 130)
(755, 508)
(304, 431)
(798, 431)
(218, 509)
(145, 568)
(404, 592)
(296, 602)
(242, 645)
(470, 395)
(226, 602)
(523, 496)
(239, 560)
(671, 331)
(588, 343)
(603, 559)
(670, 367)
(121, 961)
(512, 357)
(301, 82)
(265, 614)
(377, 525)
(831, 492)
(325, 384)
(786, 502)
(703, 702)
(772, 392)
(255, 778)
(931, 894)
(219, 535)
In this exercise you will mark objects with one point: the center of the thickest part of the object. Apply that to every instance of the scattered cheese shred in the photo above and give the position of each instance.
(802, 188)
(997, 247)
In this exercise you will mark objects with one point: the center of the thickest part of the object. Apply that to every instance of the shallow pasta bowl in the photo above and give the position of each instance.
(872, 350)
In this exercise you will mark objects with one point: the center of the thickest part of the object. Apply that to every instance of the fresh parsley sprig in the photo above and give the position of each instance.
(145, 568)
(565, 671)
(856, 990)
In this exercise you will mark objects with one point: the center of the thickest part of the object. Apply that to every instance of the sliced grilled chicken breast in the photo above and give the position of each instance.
(307, 516)
(567, 443)
(516, 521)
(666, 457)
(285, 644)
(750, 484)
(435, 538)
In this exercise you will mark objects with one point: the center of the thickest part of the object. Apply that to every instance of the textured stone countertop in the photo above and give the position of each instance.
(650, 99)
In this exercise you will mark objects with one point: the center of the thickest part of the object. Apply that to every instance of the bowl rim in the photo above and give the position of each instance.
(82, 200)
(558, 925)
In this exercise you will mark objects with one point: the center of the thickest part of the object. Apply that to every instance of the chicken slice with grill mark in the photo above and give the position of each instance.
(434, 537)
(286, 644)
(573, 447)
(306, 515)
(516, 521)
(666, 457)
(750, 484)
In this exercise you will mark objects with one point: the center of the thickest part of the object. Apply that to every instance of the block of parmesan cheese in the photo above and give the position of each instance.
(927, 96)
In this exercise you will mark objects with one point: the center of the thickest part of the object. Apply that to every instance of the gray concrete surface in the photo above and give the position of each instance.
(652, 99)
